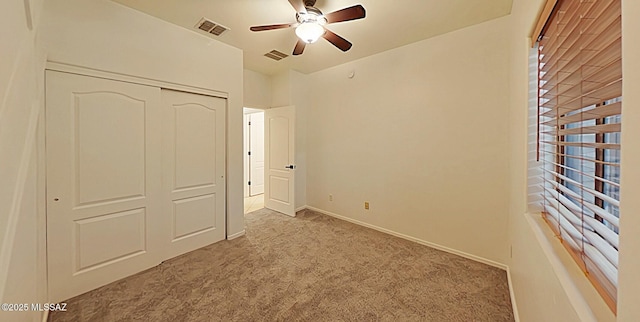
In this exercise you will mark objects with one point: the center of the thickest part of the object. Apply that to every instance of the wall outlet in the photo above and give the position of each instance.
(330, 197)
(366, 205)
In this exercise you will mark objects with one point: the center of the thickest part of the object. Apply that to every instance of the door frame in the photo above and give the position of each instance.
(41, 148)
(246, 142)
(245, 156)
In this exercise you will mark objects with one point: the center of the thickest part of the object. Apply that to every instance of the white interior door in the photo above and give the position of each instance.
(279, 124)
(193, 170)
(103, 187)
(256, 158)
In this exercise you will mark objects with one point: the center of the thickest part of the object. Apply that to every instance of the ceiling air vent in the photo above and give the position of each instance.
(276, 55)
(211, 27)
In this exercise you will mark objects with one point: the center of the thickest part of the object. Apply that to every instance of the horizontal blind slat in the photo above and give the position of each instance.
(594, 129)
(586, 174)
(564, 155)
(610, 271)
(610, 146)
(595, 193)
(568, 105)
(612, 219)
(596, 113)
(584, 81)
(570, 208)
(568, 68)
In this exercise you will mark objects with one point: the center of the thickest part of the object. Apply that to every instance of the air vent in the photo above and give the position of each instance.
(276, 55)
(211, 27)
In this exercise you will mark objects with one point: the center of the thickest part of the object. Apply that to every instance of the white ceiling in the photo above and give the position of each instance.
(388, 24)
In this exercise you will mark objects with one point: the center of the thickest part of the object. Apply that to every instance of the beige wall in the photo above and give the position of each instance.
(107, 36)
(257, 90)
(22, 261)
(538, 291)
(281, 89)
(420, 132)
(629, 281)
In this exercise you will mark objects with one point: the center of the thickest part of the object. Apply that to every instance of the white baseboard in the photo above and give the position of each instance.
(512, 294)
(413, 239)
(301, 208)
(236, 235)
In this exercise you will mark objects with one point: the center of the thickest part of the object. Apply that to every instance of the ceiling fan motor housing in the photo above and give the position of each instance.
(313, 15)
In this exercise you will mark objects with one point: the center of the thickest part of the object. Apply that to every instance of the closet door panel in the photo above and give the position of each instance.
(103, 181)
(193, 170)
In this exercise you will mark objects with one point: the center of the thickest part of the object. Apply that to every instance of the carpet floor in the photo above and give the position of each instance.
(309, 268)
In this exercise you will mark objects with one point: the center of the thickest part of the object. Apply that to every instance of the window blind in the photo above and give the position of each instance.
(579, 106)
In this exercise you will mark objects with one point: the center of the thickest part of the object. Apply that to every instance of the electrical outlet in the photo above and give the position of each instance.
(330, 197)
(366, 205)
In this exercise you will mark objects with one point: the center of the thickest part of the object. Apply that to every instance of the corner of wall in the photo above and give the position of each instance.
(22, 237)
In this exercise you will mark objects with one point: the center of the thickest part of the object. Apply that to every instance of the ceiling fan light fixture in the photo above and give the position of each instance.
(311, 21)
(310, 31)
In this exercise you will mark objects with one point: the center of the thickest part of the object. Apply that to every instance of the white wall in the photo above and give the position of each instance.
(103, 35)
(421, 133)
(22, 261)
(257, 90)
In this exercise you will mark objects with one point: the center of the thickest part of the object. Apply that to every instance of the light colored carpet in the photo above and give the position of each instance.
(309, 268)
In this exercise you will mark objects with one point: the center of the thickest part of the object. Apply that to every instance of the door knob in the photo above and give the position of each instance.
(291, 166)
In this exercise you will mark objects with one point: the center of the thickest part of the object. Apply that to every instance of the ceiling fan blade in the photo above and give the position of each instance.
(298, 5)
(271, 27)
(299, 47)
(337, 41)
(346, 14)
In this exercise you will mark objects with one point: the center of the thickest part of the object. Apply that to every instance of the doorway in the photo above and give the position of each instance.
(269, 141)
(254, 159)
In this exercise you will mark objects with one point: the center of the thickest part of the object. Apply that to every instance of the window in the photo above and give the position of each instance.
(579, 116)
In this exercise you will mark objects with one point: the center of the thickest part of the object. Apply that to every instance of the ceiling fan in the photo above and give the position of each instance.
(310, 25)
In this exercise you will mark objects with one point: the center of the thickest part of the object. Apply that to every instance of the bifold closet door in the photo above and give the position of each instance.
(103, 181)
(193, 170)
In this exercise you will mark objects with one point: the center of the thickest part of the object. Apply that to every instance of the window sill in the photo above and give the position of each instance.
(586, 301)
